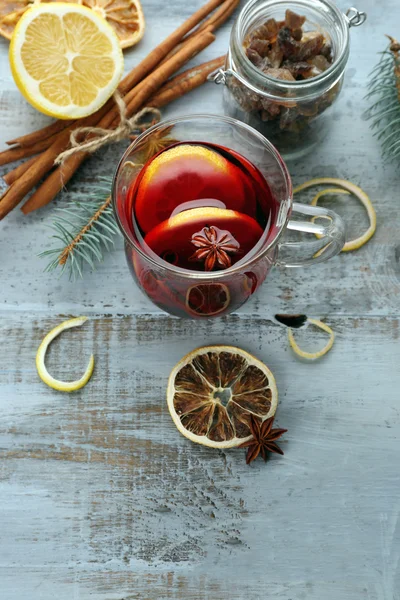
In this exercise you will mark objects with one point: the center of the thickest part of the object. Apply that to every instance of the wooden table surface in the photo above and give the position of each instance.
(100, 497)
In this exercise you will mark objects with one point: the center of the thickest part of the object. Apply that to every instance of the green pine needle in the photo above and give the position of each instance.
(384, 112)
(86, 231)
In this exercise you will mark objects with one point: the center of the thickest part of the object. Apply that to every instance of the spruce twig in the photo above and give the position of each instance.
(86, 230)
(384, 90)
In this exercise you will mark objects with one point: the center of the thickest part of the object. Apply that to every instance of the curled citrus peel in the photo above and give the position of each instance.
(344, 187)
(312, 355)
(61, 386)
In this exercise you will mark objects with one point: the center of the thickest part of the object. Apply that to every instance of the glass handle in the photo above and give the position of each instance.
(328, 233)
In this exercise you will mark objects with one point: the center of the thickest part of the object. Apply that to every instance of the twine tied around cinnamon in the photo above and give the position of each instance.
(99, 137)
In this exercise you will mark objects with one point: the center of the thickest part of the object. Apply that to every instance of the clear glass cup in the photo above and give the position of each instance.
(291, 114)
(197, 294)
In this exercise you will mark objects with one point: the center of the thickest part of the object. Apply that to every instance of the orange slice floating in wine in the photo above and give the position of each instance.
(207, 299)
(184, 173)
(179, 240)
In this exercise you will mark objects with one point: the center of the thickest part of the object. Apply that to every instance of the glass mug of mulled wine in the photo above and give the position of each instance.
(205, 206)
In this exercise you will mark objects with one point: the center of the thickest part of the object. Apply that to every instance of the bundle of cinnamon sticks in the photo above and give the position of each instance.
(150, 83)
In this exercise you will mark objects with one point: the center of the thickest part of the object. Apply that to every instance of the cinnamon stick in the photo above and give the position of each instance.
(32, 176)
(16, 173)
(13, 154)
(134, 100)
(32, 138)
(159, 53)
(146, 88)
(215, 21)
(218, 18)
(42, 165)
(132, 78)
(189, 50)
(185, 82)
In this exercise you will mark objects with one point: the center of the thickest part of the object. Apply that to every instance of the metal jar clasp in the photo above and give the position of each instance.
(218, 76)
(355, 17)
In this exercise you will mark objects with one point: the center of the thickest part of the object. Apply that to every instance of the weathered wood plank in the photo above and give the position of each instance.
(101, 494)
(100, 497)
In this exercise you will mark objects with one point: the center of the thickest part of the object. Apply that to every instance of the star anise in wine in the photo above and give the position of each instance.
(214, 246)
(263, 440)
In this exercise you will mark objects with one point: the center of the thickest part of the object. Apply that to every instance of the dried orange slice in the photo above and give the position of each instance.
(213, 391)
(185, 173)
(125, 16)
(12, 10)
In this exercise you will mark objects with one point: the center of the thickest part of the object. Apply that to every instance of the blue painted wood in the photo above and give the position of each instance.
(100, 497)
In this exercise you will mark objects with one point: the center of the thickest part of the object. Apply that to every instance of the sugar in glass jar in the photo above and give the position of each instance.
(274, 90)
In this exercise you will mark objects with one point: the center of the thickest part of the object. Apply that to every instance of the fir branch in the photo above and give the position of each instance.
(86, 231)
(384, 90)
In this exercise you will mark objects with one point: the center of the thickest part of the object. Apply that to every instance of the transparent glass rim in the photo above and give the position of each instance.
(159, 263)
(310, 85)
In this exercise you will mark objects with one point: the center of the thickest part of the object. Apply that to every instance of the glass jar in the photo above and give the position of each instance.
(291, 114)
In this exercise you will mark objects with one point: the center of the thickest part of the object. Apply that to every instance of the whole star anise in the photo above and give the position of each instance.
(263, 439)
(214, 246)
(160, 140)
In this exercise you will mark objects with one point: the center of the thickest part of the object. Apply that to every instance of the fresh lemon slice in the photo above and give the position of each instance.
(65, 59)
(214, 391)
(61, 386)
(312, 355)
(344, 187)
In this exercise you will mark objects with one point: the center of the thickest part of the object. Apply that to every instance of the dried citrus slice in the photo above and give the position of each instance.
(61, 386)
(184, 173)
(125, 17)
(312, 355)
(12, 10)
(175, 239)
(65, 59)
(345, 187)
(207, 299)
(213, 391)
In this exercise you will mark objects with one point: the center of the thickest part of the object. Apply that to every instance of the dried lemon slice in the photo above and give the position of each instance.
(12, 10)
(61, 386)
(213, 392)
(346, 188)
(312, 355)
(65, 59)
(125, 16)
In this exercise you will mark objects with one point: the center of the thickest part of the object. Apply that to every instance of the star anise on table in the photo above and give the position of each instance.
(263, 439)
(214, 246)
(160, 140)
